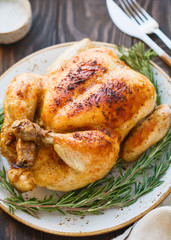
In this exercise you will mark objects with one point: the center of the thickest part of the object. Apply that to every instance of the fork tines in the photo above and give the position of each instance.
(134, 11)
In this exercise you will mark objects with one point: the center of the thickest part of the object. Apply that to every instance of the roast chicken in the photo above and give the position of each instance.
(63, 130)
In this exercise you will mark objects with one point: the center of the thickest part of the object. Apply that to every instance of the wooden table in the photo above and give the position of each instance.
(58, 21)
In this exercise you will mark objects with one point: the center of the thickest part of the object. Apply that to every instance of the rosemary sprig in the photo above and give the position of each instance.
(109, 192)
(138, 59)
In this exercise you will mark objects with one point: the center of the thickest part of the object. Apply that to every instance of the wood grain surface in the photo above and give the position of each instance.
(58, 21)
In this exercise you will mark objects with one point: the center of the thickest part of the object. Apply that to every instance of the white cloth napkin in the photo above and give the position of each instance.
(155, 225)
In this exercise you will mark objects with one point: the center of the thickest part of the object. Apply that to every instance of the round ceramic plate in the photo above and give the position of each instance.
(70, 225)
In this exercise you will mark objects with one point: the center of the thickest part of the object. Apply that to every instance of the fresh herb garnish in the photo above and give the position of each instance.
(110, 191)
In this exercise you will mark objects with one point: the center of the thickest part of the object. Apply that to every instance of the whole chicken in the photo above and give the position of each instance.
(63, 130)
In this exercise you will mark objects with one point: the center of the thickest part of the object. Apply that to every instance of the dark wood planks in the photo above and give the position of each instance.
(57, 21)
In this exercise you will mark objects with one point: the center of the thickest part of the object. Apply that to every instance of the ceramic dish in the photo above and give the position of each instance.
(70, 225)
(15, 20)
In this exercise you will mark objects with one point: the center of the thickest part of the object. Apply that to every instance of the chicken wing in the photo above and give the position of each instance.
(147, 133)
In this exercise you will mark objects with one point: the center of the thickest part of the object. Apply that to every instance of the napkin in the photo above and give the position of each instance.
(155, 225)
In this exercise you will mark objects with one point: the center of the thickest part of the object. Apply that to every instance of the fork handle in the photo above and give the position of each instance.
(163, 37)
(160, 52)
(166, 58)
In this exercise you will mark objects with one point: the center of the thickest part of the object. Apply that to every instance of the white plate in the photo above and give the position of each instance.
(71, 225)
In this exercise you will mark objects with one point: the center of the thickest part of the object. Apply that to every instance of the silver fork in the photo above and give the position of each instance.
(146, 23)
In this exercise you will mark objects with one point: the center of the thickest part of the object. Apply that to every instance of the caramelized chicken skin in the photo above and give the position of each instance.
(81, 114)
(148, 132)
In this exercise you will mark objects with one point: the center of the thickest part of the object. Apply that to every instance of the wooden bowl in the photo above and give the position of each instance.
(20, 13)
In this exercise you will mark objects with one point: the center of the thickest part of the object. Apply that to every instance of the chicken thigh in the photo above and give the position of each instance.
(63, 130)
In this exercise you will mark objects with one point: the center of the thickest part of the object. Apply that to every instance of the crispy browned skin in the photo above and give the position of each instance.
(94, 100)
(147, 133)
(96, 89)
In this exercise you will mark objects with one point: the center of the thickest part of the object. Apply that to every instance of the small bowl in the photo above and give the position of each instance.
(15, 20)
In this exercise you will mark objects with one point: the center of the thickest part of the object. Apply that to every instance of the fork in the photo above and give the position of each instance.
(146, 23)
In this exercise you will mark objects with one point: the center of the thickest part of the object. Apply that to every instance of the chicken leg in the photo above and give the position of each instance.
(78, 150)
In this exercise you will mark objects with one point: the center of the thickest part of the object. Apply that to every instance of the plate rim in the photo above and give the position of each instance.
(90, 233)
